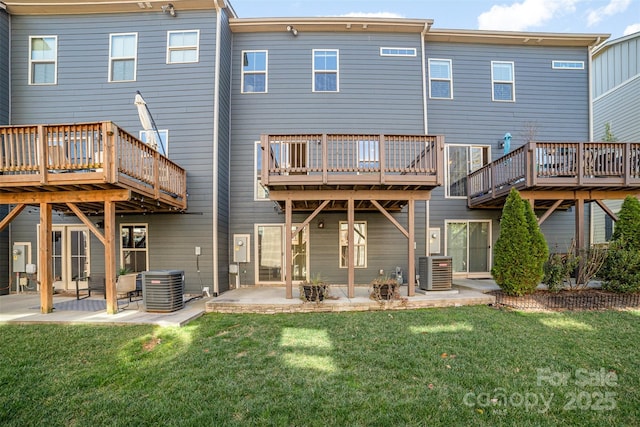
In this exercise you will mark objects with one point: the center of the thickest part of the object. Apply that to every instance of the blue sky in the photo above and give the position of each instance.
(615, 17)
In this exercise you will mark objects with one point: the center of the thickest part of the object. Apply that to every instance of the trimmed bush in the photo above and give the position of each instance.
(621, 269)
(520, 251)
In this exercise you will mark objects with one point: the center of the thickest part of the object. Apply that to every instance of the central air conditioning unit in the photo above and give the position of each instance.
(162, 290)
(436, 273)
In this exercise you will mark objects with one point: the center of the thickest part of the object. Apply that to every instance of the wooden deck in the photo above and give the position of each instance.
(78, 162)
(556, 174)
(315, 167)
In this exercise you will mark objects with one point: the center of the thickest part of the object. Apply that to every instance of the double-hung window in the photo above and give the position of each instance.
(325, 70)
(123, 51)
(254, 71)
(461, 161)
(182, 46)
(133, 249)
(440, 80)
(359, 244)
(43, 60)
(503, 81)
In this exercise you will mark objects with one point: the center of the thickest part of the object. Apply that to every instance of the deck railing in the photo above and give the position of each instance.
(560, 164)
(31, 155)
(343, 158)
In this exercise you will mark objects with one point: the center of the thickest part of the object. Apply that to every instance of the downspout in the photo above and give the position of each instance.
(216, 130)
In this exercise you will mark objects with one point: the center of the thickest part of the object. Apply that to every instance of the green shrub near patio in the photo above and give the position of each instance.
(521, 250)
(621, 269)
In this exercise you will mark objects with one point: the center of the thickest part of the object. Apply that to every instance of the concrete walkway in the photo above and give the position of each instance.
(24, 308)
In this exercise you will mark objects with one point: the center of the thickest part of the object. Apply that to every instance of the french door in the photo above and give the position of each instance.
(468, 243)
(70, 255)
(270, 246)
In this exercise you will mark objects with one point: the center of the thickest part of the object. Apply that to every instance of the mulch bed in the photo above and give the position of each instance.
(585, 299)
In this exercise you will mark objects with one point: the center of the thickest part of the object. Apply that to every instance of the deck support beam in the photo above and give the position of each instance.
(110, 256)
(44, 259)
(288, 256)
(350, 245)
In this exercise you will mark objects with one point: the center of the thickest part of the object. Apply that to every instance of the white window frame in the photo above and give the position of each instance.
(195, 47)
(162, 145)
(336, 71)
(512, 82)
(345, 243)
(256, 72)
(398, 51)
(567, 65)
(447, 174)
(120, 58)
(134, 249)
(439, 79)
(258, 178)
(43, 61)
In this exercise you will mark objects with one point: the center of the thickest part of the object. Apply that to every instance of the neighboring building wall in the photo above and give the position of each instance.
(616, 90)
(376, 95)
(179, 96)
(550, 105)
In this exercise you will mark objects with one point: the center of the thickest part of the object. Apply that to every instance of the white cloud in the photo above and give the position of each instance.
(371, 15)
(614, 7)
(521, 16)
(633, 28)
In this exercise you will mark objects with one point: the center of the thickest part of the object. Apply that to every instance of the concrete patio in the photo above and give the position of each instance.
(271, 300)
(24, 308)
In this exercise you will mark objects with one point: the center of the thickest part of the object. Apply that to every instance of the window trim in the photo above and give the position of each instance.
(314, 71)
(366, 244)
(164, 144)
(195, 47)
(512, 82)
(134, 249)
(558, 65)
(134, 57)
(258, 178)
(265, 72)
(447, 174)
(399, 49)
(450, 79)
(32, 61)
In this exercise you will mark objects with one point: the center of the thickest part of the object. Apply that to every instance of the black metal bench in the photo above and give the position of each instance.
(95, 282)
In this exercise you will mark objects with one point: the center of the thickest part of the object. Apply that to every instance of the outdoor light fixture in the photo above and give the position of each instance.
(168, 8)
(292, 30)
(321, 223)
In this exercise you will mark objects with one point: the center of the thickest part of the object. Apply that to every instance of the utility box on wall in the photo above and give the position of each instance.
(19, 257)
(241, 248)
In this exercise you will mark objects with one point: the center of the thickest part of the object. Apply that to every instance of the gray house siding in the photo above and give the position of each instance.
(179, 96)
(4, 119)
(376, 95)
(4, 67)
(550, 105)
(224, 142)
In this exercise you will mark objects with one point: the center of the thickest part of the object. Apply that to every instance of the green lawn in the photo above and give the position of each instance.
(450, 367)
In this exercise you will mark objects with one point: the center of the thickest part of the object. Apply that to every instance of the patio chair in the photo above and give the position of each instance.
(95, 282)
(126, 286)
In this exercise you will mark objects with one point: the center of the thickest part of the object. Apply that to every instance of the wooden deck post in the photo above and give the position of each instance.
(412, 249)
(110, 256)
(580, 233)
(288, 256)
(44, 259)
(350, 246)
